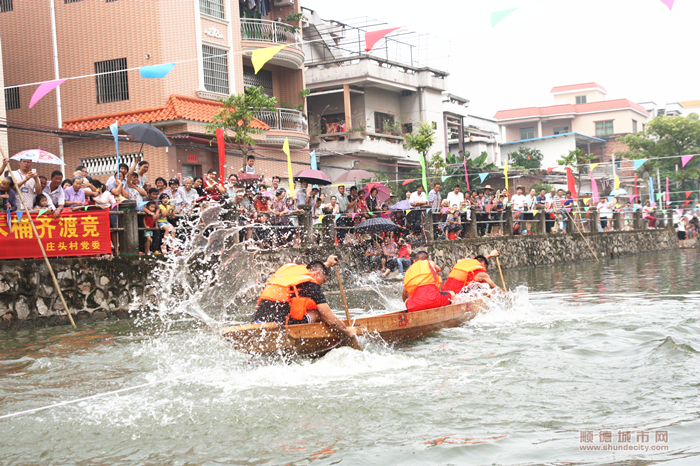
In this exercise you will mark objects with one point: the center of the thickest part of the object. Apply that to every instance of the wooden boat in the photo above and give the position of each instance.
(317, 339)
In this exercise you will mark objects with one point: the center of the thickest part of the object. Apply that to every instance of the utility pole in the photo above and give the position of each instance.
(59, 117)
(658, 183)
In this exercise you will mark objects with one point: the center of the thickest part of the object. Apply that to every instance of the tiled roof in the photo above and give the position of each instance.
(178, 108)
(691, 103)
(576, 87)
(589, 107)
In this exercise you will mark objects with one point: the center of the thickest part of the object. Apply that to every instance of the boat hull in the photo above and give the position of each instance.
(317, 339)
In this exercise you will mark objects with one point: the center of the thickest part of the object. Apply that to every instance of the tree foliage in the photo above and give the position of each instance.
(422, 140)
(238, 114)
(526, 158)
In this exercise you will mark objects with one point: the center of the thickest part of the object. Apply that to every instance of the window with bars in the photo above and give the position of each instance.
(110, 1)
(11, 98)
(72, 1)
(5, 5)
(112, 81)
(262, 79)
(215, 69)
(212, 7)
(603, 127)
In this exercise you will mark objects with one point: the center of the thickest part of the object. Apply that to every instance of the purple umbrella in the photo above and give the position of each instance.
(313, 177)
(401, 205)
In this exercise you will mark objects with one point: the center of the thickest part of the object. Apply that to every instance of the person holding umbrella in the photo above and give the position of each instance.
(29, 181)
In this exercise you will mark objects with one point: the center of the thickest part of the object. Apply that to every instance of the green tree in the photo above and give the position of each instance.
(576, 159)
(237, 116)
(526, 158)
(422, 140)
(663, 140)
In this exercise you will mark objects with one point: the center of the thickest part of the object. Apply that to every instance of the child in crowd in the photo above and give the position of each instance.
(149, 221)
(42, 202)
(454, 224)
(498, 208)
(166, 209)
(249, 167)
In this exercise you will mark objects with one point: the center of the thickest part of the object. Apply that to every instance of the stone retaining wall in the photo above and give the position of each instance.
(98, 288)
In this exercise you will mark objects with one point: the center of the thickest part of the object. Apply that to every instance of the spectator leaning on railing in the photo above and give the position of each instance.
(55, 193)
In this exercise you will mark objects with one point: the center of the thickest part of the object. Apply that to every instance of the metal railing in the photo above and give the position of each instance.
(106, 165)
(284, 119)
(270, 31)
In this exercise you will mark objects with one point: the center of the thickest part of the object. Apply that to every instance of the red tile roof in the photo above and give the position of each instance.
(178, 108)
(576, 87)
(589, 107)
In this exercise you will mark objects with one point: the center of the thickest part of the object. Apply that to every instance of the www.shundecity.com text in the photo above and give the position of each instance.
(623, 440)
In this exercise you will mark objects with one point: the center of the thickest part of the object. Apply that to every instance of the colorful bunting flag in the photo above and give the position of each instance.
(505, 174)
(617, 182)
(444, 177)
(632, 197)
(482, 176)
(156, 71)
(668, 3)
(353, 215)
(498, 16)
(19, 216)
(372, 37)
(611, 198)
(285, 149)
(550, 170)
(638, 163)
(314, 164)
(593, 165)
(337, 216)
(586, 208)
(42, 212)
(43, 89)
(658, 196)
(534, 211)
(427, 211)
(408, 181)
(114, 128)
(262, 56)
(685, 159)
(594, 187)
(421, 160)
(688, 193)
(466, 175)
(320, 217)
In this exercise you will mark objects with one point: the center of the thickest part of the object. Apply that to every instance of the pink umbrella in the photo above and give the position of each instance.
(383, 194)
(247, 179)
(353, 175)
(313, 177)
(38, 156)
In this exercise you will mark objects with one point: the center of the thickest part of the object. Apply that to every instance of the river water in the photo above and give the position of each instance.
(589, 349)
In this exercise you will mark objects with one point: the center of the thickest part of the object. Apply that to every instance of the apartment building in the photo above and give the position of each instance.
(470, 133)
(210, 42)
(683, 108)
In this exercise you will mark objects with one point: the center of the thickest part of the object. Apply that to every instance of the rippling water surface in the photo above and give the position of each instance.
(588, 348)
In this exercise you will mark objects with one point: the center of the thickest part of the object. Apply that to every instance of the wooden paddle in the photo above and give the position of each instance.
(498, 262)
(353, 341)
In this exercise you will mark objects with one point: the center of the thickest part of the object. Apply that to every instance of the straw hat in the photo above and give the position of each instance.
(488, 186)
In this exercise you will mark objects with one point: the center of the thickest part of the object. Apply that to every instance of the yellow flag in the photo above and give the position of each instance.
(593, 165)
(505, 173)
(262, 56)
(320, 217)
(617, 182)
(285, 149)
(534, 211)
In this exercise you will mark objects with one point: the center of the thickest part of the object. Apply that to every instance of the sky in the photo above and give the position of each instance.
(635, 49)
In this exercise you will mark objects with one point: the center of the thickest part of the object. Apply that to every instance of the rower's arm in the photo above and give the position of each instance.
(404, 295)
(333, 322)
(484, 278)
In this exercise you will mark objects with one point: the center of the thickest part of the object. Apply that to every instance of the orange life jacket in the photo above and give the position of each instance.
(466, 270)
(282, 288)
(419, 274)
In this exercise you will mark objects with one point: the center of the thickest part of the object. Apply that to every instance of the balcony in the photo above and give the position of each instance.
(284, 123)
(261, 33)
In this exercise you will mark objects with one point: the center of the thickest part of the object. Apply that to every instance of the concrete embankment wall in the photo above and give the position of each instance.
(97, 289)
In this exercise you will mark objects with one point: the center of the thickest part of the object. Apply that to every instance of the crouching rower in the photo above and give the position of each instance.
(293, 296)
(421, 286)
(469, 271)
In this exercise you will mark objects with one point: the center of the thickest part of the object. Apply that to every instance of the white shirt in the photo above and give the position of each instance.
(604, 209)
(56, 197)
(518, 201)
(189, 197)
(415, 197)
(249, 169)
(455, 199)
(531, 201)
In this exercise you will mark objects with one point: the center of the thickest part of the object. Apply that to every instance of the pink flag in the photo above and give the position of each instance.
(43, 89)
(373, 37)
(685, 159)
(594, 189)
(632, 197)
(466, 175)
(668, 3)
(550, 169)
(668, 194)
(353, 216)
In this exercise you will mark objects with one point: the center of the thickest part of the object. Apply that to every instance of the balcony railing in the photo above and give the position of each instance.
(284, 119)
(270, 31)
(107, 165)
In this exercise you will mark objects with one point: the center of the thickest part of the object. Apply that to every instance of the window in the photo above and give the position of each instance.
(407, 128)
(112, 82)
(603, 127)
(72, 1)
(212, 7)
(634, 126)
(11, 98)
(5, 5)
(110, 1)
(263, 78)
(644, 127)
(580, 99)
(380, 119)
(215, 69)
(527, 133)
(561, 129)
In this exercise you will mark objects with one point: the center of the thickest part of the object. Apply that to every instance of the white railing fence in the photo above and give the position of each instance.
(270, 31)
(107, 165)
(284, 119)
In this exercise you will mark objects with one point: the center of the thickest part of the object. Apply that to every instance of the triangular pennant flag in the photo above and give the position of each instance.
(19, 216)
(86, 207)
(42, 212)
(482, 176)
(586, 208)
(587, 201)
(285, 149)
(638, 163)
(156, 71)
(143, 203)
(679, 212)
(611, 198)
(443, 178)
(550, 170)
(320, 217)
(568, 209)
(353, 215)
(685, 159)
(593, 165)
(534, 211)
(632, 197)
(43, 89)
(498, 16)
(427, 211)
(9, 220)
(373, 37)
(668, 3)
(408, 181)
(658, 196)
(663, 211)
(688, 193)
(337, 216)
(617, 182)
(114, 128)
(262, 56)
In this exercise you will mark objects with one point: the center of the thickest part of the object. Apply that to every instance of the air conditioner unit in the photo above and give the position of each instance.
(284, 2)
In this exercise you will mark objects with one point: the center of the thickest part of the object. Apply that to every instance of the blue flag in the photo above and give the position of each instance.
(651, 191)
(314, 166)
(638, 163)
(9, 219)
(156, 71)
(483, 176)
(114, 128)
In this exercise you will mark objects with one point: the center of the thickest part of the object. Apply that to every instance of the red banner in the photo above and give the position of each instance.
(71, 234)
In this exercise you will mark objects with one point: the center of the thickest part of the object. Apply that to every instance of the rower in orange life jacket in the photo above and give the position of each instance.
(421, 286)
(469, 271)
(293, 296)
